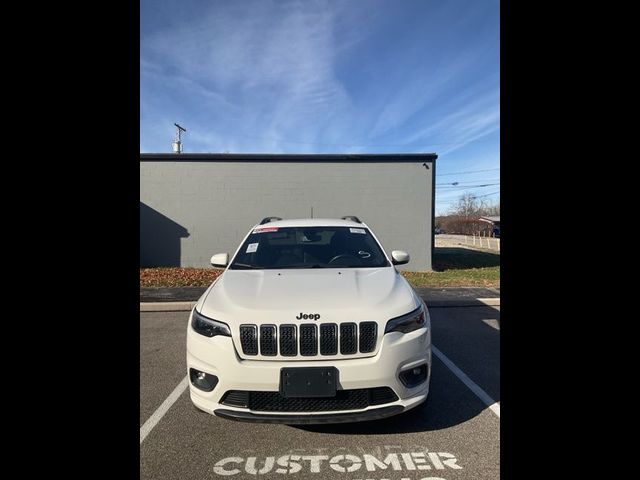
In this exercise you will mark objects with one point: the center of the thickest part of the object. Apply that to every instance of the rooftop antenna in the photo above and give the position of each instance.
(177, 142)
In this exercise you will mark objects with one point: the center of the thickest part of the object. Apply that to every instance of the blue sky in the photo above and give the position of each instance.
(315, 76)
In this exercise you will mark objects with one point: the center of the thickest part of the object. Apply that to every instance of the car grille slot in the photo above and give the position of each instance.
(308, 340)
(268, 345)
(288, 341)
(368, 336)
(249, 339)
(356, 399)
(328, 339)
(348, 339)
(236, 398)
(381, 395)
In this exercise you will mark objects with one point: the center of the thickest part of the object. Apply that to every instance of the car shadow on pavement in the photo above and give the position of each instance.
(450, 401)
(448, 405)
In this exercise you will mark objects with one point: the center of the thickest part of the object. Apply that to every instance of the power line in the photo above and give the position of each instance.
(486, 194)
(469, 181)
(463, 187)
(441, 203)
(470, 171)
(453, 194)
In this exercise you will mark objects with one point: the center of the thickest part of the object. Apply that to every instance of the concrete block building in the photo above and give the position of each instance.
(194, 205)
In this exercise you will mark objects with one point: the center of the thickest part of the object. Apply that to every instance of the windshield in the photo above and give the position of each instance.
(309, 247)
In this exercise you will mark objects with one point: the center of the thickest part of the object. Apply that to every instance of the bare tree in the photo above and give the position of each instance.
(466, 206)
(490, 209)
(463, 218)
(469, 206)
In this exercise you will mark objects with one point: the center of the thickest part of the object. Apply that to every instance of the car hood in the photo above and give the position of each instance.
(279, 296)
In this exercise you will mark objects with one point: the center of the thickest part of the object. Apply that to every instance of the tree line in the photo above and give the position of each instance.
(463, 217)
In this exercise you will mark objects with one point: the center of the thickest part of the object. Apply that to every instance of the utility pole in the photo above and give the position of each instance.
(177, 142)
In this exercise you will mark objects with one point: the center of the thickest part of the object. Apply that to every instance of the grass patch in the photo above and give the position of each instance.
(459, 267)
(460, 277)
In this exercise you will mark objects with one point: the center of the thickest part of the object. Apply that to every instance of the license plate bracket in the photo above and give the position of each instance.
(308, 382)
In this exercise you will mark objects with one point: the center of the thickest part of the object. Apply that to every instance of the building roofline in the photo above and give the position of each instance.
(290, 157)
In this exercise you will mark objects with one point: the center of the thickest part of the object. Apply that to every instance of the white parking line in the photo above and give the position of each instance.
(481, 394)
(491, 302)
(492, 322)
(162, 409)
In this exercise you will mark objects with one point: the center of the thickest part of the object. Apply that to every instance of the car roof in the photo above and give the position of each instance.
(312, 222)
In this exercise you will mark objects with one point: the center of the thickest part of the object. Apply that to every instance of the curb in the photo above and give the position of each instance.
(469, 302)
(187, 306)
(166, 306)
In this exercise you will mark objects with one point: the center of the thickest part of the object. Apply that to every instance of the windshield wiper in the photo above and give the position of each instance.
(243, 266)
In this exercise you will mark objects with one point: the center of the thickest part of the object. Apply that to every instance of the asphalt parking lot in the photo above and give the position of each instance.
(454, 436)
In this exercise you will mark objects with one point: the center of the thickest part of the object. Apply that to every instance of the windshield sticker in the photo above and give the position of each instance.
(358, 230)
(252, 247)
(265, 229)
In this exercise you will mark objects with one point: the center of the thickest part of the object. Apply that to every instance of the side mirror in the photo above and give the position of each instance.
(220, 260)
(399, 257)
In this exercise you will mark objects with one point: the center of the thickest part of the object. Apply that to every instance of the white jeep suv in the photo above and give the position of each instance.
(309, 323)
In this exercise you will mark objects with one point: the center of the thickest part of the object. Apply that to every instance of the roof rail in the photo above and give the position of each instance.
(353, 218)
(269, 219)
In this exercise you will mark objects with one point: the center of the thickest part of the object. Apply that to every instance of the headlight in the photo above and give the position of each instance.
(208, 327)
(409, 322)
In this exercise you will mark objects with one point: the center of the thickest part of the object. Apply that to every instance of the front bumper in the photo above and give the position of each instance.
(306, 419)
(398, 352)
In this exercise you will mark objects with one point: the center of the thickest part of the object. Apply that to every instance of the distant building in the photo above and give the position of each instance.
(495, 224)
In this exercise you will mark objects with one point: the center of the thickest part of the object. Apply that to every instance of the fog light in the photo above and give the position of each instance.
(414, 376)
(203, 381)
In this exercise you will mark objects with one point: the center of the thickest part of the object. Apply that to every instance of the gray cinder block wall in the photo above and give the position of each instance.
(195, 205)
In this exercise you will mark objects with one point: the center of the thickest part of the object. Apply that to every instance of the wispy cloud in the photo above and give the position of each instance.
(313, 75)
(272, 72)
(462, 120)
(421, 90)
